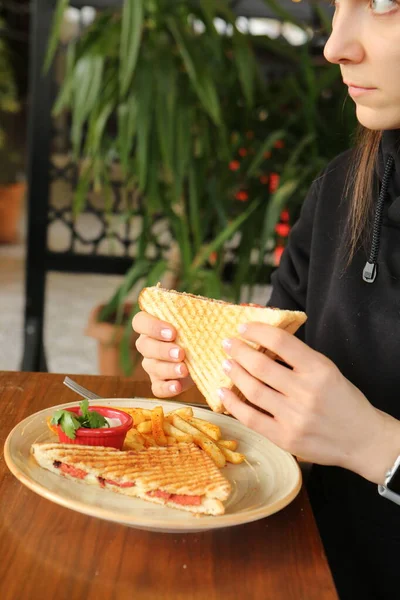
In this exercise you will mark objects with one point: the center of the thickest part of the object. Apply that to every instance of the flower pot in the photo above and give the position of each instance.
(108, 338)
(10, 211)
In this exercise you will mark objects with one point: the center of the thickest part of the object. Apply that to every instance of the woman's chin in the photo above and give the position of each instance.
(377, 120)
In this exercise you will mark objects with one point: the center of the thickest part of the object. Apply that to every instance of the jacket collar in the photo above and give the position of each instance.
(390, 146)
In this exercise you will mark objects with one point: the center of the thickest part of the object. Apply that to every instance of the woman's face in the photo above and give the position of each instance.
(365, 42)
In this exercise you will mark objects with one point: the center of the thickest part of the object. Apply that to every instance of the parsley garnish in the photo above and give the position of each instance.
(70, 422)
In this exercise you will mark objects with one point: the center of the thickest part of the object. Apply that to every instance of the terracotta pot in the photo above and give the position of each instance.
(10, 211)
(108, 338)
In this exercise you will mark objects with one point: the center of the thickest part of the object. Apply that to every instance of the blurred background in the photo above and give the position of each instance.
(145, 141)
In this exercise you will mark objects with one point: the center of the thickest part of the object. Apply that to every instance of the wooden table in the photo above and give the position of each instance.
(48, 551)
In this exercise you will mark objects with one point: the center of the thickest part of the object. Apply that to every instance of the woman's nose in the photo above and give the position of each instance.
(345, 42)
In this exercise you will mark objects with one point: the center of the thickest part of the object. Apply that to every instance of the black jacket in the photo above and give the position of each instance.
(357, 325)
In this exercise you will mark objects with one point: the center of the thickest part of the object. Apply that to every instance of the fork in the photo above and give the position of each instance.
(79, 389)
(85, 393)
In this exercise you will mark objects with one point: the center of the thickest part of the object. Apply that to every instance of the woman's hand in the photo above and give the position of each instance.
(316, 412)
(163, 359)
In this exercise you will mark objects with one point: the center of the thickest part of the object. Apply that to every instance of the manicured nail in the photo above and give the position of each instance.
(242, 328)
(227, 344)
(221, 393)
(179, 369)
(166, 334)
(174, 353)
(173, 388)
(227, 366)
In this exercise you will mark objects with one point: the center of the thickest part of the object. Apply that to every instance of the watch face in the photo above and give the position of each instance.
(394, 483)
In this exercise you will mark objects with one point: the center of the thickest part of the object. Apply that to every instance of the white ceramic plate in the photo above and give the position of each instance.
(270, 481)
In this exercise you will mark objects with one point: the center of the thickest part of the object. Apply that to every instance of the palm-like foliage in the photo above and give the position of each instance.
(158, 90)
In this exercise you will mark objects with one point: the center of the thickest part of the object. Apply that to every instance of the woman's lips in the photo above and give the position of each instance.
(355, 90)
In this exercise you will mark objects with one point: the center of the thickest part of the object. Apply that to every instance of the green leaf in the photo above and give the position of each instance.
(224, 236)
(68, 422)
(56, 418)
(64, 97)
(182, 152)
(165, 107)
(95, 420)
(127, 124)
(84, 406)
(87, 84)
(274, 208)
(245, 64)
(194, 208)
(115, 305)
(98, 120)
(131, 32)
(82, 190)
(52, 46)
(144, 95)
(200, 78)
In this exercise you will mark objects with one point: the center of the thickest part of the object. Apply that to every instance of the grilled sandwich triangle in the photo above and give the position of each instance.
(202, 324)
(180, 476)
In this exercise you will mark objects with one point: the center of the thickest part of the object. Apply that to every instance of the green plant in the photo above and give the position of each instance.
(9, 157)
(200, 138)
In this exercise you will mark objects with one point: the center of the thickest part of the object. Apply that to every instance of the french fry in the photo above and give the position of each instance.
(157, 422)
(134, 441)
(233, 457)
(145, 427)
(52, 428)
(146, 412)
(185, 412)
(138, 414)
(213, 431)
(202, 440)
(171, 441)
(230, 444)
(149, 440)
(179, 435)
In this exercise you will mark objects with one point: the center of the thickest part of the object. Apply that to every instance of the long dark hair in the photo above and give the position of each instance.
(361, 186)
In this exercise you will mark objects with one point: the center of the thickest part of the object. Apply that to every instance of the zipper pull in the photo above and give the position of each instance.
(370, 272)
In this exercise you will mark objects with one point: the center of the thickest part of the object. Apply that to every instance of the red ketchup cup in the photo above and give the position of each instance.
(109, 436)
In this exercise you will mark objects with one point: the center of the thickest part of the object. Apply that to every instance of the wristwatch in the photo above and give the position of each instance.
(391, 489)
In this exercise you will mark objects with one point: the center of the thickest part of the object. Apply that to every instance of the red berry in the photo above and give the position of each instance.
(234, 165)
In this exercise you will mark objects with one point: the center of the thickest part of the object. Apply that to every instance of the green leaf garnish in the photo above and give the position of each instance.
(70, 422)
(90, 418)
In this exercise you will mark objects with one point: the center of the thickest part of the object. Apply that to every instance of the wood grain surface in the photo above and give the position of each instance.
(48, 551)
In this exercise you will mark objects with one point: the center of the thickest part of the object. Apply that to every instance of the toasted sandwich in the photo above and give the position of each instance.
(203, 323)
(180, 476)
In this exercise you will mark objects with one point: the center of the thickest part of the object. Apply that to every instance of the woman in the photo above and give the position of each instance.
(339, 406)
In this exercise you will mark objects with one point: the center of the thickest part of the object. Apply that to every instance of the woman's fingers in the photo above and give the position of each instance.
(164, 370)
(285, 345)
(151, 348)
(261, 366)
(254, 390)
(248, 415)
(146, 324)
(171, 388)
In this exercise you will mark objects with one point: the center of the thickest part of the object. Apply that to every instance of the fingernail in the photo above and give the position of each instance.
(227, 365)
(227, 344)
(166, 334)
(173, 388)
(221, 393)
(174, 353)
(179, 369)
(242, 328)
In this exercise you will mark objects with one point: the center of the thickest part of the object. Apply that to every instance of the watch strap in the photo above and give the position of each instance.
(386, 493)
